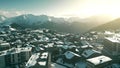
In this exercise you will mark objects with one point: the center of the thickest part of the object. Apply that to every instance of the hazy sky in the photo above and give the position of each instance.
(82, 8)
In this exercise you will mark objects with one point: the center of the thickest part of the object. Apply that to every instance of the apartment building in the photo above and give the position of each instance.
(14, 56)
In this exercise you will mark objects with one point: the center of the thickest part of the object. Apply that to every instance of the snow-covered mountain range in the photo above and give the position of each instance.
(72, 24)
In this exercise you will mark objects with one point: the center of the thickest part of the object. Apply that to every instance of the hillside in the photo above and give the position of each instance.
(113, 25)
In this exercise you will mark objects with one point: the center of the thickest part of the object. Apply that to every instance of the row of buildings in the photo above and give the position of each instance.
(40, 48)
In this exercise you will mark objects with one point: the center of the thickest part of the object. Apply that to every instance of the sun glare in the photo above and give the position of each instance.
(91, 8)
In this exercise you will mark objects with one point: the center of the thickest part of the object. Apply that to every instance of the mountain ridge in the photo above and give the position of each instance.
(112, 25)
(72, 24)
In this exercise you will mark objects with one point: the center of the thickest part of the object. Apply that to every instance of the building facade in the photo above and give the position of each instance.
(14, 56)
(112, 47)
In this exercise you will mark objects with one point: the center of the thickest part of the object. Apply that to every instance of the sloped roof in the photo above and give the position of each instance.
(87, 53)
(70, 55)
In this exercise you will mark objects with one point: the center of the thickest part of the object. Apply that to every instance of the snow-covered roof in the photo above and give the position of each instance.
(59, 42)
(40, 31)
(68, 46)
(70, 55)
(113, 39)
(42, 63)
(44, 55)
(15, 50)
(86, 46)
(99, 60)
(68, 43)
(87, 53)
(50, 44)
(59, 45)
(12, 29)
(24, 49)
(84, 43)
(65, 47)
(108, 32)
(33, 60)
(5, 44)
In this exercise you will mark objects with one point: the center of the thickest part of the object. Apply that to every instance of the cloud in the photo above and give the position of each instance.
(11, 13)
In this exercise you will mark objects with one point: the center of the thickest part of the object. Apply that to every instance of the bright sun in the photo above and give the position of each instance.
(95, 7)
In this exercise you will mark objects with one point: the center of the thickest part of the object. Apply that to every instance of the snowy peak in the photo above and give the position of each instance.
(32, 18)
(29, 18)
